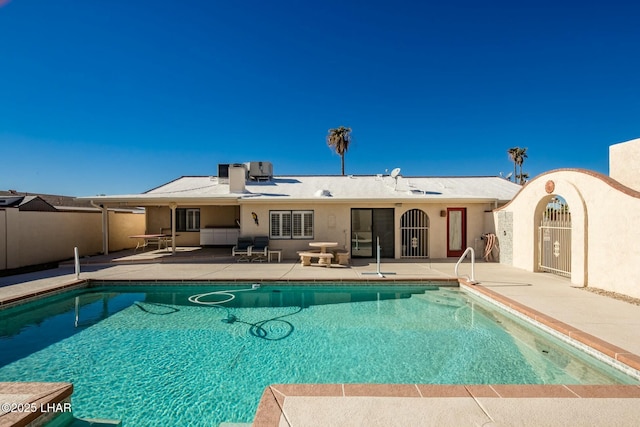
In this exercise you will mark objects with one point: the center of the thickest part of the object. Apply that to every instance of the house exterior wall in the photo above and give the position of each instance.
(332, 222)
(624, 163)
(604, 215)
(32, 238)
(219, 216)
(158, 219)
(479, 222)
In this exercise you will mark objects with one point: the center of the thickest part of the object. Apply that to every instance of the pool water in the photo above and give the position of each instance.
(148, 355)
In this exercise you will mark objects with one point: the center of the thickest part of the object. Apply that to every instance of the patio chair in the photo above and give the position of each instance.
(242, 249)
(260, 249)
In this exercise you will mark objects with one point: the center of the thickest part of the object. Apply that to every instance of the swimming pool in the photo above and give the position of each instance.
(141, 353)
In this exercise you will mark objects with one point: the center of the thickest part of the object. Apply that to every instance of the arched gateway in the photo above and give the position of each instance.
(554, 238)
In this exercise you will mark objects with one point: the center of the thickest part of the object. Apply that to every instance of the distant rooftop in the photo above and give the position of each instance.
(53, 200)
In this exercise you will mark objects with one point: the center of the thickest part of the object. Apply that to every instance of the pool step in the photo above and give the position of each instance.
(443, 298)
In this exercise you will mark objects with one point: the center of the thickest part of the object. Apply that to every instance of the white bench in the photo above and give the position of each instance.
(305, 258)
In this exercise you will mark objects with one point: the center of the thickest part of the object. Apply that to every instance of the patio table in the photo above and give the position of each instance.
(145, 239)
(323, 249)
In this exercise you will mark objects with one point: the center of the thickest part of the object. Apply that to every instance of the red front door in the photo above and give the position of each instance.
(456, 231)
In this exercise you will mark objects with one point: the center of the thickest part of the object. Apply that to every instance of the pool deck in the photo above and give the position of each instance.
(608, 325)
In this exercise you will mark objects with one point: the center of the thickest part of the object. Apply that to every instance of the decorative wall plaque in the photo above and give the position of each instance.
(550, 186)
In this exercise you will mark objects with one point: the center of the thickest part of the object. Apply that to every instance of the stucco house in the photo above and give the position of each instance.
(575, 223)
(411, 217)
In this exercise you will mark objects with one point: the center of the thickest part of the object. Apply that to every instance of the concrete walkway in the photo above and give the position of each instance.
(611, 321)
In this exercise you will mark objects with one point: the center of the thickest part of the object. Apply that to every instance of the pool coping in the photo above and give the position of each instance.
(271, 410)
(33, 403)
(27, 296)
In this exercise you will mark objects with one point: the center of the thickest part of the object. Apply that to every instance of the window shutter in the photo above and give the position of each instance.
(286, 224)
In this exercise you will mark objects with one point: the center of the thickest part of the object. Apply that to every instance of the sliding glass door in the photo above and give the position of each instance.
(361, 233)
(369, 225)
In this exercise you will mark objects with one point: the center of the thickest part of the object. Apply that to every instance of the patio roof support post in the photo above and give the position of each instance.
(105, 227)
(105, 230)
(173, 206)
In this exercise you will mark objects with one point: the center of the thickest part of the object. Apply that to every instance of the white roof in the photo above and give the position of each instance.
(332, 187)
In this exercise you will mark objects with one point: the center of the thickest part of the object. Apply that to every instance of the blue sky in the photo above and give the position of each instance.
(120, 96)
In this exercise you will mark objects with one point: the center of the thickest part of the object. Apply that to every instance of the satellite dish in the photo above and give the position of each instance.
(394, 174)
(506, 177)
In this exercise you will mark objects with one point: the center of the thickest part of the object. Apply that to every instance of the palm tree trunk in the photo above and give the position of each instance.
(342, 161)
(521, 176)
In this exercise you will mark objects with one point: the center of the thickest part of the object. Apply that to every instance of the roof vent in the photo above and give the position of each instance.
(322, 193)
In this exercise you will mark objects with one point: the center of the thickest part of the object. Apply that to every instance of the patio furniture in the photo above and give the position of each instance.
(145, 240)
(323, 249)
(343, 258)
(341, 255)
(260, 249)
(324, 258)
(242, 249)
(271, 252)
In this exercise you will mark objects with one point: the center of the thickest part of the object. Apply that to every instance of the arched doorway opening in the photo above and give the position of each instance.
(414, 232)
(554, 237)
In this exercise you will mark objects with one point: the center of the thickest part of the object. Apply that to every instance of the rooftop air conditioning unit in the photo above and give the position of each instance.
(223, 173)
(260, 171)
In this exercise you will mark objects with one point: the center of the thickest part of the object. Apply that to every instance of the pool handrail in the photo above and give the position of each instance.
(471, 279)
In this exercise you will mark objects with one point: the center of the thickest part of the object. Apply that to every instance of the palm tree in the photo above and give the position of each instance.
(523, 176)
(517, 156)
(521, 154)
(339, 140)
(512, 152)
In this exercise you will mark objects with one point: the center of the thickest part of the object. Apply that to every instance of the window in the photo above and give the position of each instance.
(187, 219)
(302, 224)
(291, 224)
(280, 224)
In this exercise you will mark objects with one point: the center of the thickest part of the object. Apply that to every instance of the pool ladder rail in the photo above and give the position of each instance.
(472, 279)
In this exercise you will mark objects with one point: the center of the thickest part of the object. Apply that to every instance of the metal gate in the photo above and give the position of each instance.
(414, 230)
(554, 238)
